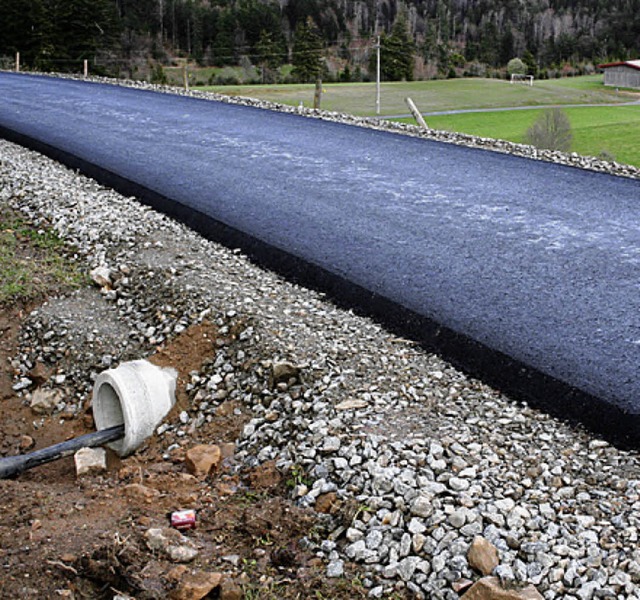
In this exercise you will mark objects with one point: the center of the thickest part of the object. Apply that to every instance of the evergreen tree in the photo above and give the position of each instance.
(270, 54)
(23, 28)
(396, 54)
(57, 35)
(307, 53)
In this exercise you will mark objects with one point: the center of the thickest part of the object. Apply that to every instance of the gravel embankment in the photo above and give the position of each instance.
(430, 458)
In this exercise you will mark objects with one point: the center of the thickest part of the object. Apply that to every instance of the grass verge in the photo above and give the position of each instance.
(608, 131)
(32, 261)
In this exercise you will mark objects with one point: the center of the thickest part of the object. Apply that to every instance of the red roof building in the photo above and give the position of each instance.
(622, 74)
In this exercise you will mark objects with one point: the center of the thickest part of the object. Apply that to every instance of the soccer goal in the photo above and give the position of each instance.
(525, 79)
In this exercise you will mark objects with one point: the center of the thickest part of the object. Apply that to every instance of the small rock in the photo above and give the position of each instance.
(196, 586)
(142, 491)
(26, 443)
(90, 460)
(422, 506)
(172, 543)
(201, 460)
(43, 402)
(483, 556)
(23, 384)
(331, 444)
(490, 588)
(326, 503)
(458, 484)
(283, 371)
(352, 404)
(460, 586)
(407, 567)
(101, 276)
(458, 518)
(335, 568)
(39, 374)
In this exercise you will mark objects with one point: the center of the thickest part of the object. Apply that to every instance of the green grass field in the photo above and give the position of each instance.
(434, 96)
(614, 130)
(610, 130)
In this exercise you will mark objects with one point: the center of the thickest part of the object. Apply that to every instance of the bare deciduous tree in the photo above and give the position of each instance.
(551, 130)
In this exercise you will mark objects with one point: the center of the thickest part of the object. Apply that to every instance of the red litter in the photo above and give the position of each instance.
(183, 519)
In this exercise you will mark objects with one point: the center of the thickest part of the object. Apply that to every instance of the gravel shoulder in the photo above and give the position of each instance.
(401, 459)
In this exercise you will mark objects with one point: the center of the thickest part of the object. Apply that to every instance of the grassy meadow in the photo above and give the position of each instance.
(613, 131)
(434, 96)
(608, 131)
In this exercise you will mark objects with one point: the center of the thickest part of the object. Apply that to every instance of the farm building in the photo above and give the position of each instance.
(622, 74)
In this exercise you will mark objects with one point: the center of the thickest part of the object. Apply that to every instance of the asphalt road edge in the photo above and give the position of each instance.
(512, 377)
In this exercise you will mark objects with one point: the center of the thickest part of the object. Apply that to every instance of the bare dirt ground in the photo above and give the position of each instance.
(69, 537)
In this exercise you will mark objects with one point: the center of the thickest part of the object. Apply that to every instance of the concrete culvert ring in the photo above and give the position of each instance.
(136, 394)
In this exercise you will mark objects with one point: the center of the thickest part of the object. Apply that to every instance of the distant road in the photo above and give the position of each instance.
(526, 273)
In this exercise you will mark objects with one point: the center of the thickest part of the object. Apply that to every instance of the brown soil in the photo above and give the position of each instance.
(69, 537)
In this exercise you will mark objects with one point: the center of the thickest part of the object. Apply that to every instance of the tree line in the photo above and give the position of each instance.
(424, 38)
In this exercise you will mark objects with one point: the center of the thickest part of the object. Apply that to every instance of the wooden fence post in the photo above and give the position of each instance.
(416, 113)
(317, 97)
(17, 62)
(185, 77)
(86, 68)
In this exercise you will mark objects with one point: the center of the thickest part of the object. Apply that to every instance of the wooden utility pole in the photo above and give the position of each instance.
(378, 76)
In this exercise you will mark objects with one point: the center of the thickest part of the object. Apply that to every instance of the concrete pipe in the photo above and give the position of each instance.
(137, 394)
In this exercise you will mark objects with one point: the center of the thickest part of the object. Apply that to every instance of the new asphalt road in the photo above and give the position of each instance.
(523, 272)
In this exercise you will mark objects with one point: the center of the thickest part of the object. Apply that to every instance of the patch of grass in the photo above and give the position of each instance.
(32, 261)
(435, 96)
(610, 130)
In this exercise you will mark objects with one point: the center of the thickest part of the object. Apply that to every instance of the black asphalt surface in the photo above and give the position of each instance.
(523, 272)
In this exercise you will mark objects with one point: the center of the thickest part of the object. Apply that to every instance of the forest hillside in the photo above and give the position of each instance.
(419, 38)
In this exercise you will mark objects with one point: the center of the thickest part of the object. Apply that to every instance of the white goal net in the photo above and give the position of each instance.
(524, 79)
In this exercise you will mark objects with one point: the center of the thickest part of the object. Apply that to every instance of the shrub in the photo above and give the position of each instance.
(516, 67)
(551, 130)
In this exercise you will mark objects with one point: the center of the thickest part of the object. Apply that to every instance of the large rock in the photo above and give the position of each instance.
(483, 556)
(196, 586)
(490, 588)
(203, 459)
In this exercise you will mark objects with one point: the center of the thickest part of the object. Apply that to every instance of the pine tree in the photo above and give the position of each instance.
(307, 53)
(396, 54)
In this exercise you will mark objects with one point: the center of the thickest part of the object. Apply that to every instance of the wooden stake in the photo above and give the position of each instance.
(317, 97)
(416, 113)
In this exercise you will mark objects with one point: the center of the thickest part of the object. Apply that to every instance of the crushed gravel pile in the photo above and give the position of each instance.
(409, 461)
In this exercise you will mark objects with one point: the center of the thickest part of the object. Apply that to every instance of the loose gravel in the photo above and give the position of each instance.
(421, 458)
